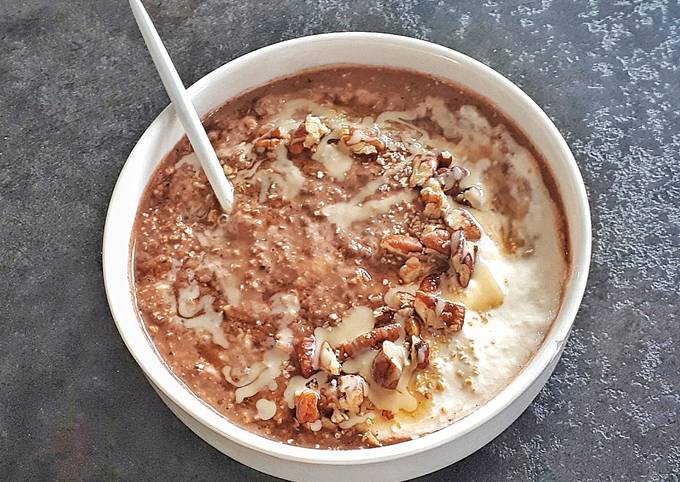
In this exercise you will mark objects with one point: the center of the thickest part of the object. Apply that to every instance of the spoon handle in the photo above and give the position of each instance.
(184, 108)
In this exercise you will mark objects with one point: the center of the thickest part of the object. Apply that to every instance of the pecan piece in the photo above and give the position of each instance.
(352, 389)
(463, 257)
(328, 362)
(436, 202)
(401, 244)
(424, 167)
(412, 269)
(450, 179)
(305, 355)
(437, 239)
(420, 352)
(472, 196)
(363, 142)
(262, 145)
(388, 365)
(411, 327)
(306, 405)
(430, 283)
(438, 313)
(444, 158)
(461, 219)
(399, 300)
(383, 316)
(269, 141)
(307, 135)
(372, 339)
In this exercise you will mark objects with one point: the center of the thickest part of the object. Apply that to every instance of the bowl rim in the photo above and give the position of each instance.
(549, 350)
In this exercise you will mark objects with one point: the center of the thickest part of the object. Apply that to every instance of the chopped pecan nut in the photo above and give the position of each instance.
(438, 239)
(472, 196)
(363, 142)
(420, 352)
(430, 283)
(269, 141)
(307, 135)
(461, 219)
(463, 257)
(401, 244)
(412, 269)
(444, 159)
(306, 405)
(438, 313)
(388, 365)
(399, 299)
(436, 202)
(450, 179)
(353, 389)
(262, 145)
(328, 362)
(424, 167)
(372, 339)
(305, 355)
(411, 327)
(383, 316)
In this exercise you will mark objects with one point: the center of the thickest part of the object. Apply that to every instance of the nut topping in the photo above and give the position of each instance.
(388, 365)
(306, 405)
(263, 145)
(472, 196)
(444, 159)
(328, 362)
(436, 202)
(401, 244)
(372, 339)
(308, 135)
(438, 313)
(450, 179)
(305, 355)
(363, 142)
(461, 219)
(424, 167)
(430, 283)
(399, 300)
(420, 352)
(412, 269)
(353, 390)
(439, 240)
(463, 256)
(411, 327)
(383, 316)
(269, 141)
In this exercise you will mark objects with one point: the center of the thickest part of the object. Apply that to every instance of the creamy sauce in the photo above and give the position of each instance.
(357, 209)
(334, 158)
(359, 320)
(284, 175)
(266, 409)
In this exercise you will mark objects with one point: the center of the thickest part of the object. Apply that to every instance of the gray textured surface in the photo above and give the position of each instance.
(76, 91)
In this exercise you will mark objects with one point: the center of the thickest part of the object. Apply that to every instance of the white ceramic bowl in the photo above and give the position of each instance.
(395, 462)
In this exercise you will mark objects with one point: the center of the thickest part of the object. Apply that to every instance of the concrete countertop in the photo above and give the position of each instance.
(77, 89)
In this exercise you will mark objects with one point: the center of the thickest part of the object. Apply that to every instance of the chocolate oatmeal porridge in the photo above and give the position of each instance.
(395, 256)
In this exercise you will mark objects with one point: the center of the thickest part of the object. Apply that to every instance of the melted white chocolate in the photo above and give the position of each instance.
(266, 409)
